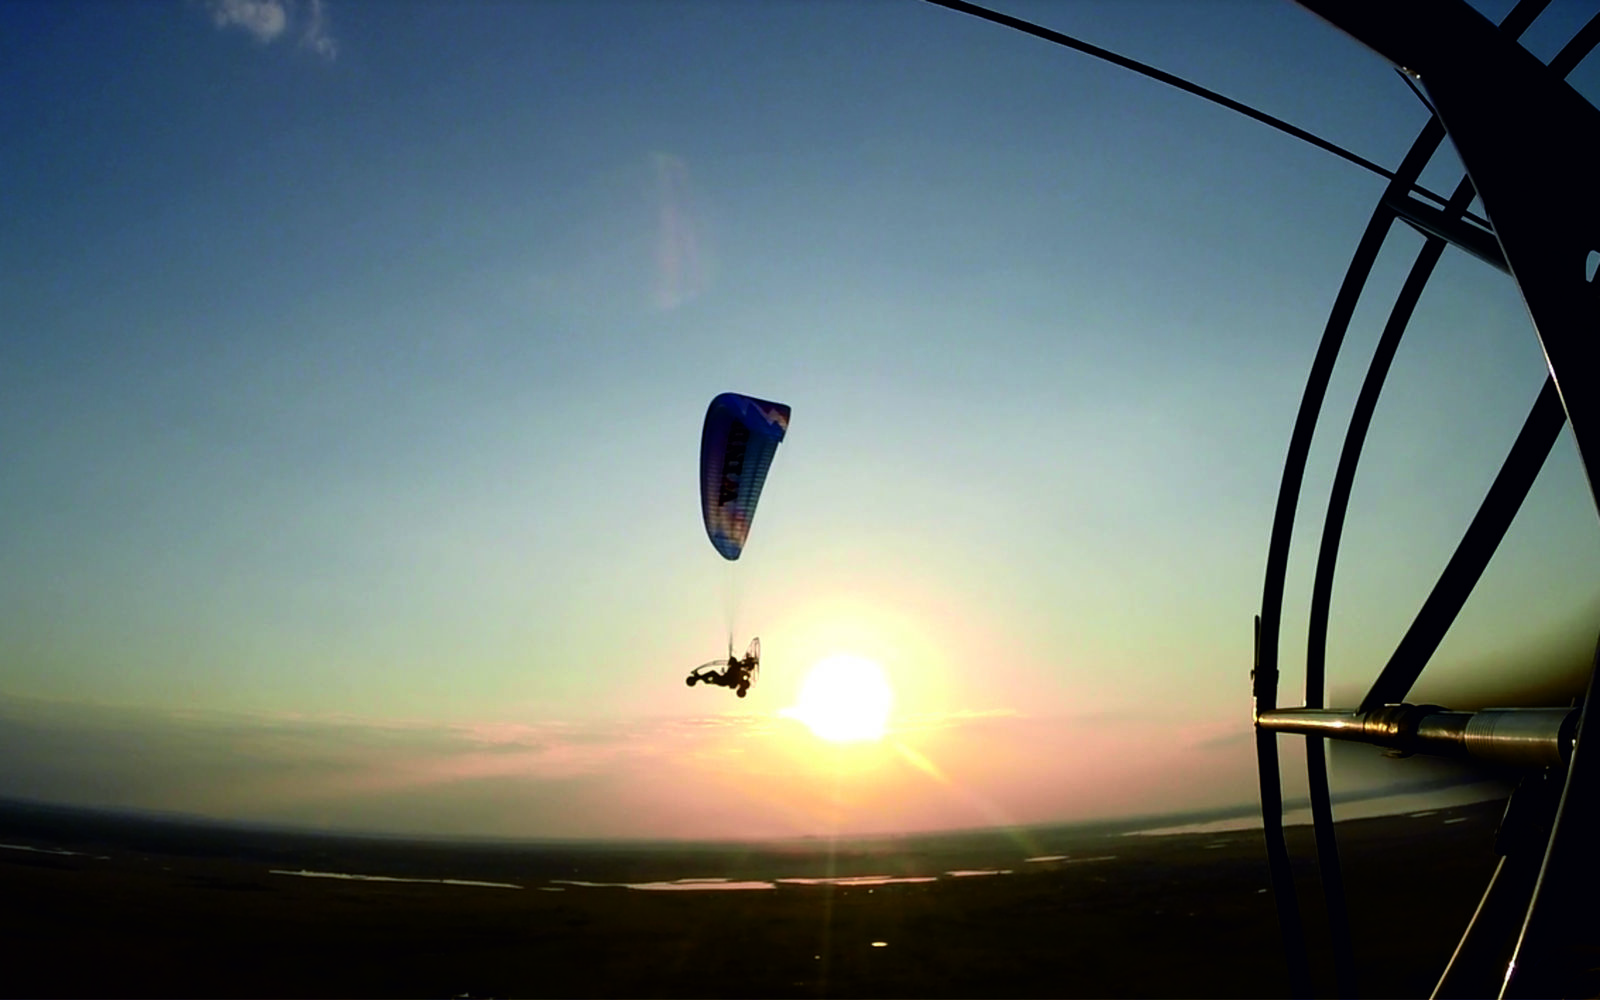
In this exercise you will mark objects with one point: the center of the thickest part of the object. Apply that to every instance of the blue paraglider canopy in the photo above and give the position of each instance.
(740, 436)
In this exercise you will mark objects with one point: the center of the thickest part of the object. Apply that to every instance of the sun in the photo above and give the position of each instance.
(844, 699)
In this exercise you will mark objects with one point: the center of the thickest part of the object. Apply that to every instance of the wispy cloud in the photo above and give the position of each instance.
(723, 775)
(959, 717)
(265, 19)
(680, 265)
(539, 778)
(270, 20)
(315, 36)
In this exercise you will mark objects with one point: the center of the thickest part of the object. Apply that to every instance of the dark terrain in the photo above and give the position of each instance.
(160, 908)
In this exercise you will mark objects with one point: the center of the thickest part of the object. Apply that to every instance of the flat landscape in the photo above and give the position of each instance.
(97, 905)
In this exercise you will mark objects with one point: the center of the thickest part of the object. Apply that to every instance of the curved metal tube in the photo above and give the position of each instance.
(1322, 585)
(1179, 83)
(1265, 679)
(1269, 622)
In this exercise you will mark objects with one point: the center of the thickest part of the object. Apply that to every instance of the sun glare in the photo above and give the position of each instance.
(844, 699)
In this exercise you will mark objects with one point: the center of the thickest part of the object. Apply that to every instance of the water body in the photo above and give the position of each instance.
(53, 850)
(723, 884)
(1404, 804)
(676, 885)
(393, 878)
(1067, 859)
(854, 880)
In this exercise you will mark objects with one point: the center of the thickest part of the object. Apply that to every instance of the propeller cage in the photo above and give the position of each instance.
(1529, 145)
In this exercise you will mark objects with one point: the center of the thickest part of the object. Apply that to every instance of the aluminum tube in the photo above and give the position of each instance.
(1335, 723)
(1517, 737)
(1521, 737)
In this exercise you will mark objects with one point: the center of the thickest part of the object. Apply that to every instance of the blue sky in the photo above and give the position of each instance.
(355, 355)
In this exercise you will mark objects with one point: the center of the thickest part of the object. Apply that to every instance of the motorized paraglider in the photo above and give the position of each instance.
(737, 443)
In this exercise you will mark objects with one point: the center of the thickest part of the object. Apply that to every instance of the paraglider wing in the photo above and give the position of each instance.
(740, 437)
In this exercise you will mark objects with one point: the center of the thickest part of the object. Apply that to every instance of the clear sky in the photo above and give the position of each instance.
(353, 358)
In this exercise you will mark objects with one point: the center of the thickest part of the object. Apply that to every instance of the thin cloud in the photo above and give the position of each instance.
(959, 717)
(680, 265)
(263, 19)
(269, 20)
(316, 36)
(735, 775)
(343, 771)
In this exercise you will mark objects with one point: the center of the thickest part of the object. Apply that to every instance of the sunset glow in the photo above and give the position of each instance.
(844, 699)
(354, 449)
